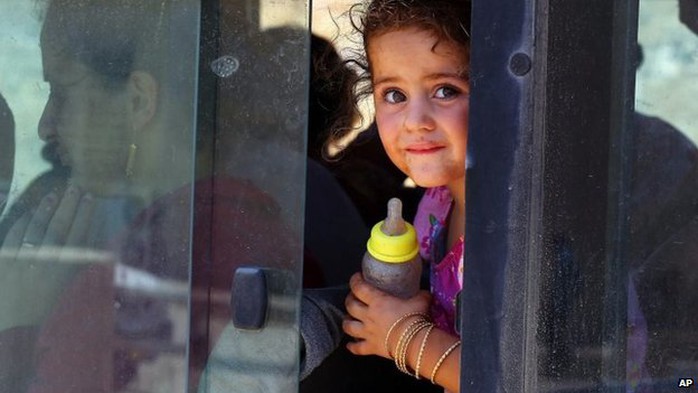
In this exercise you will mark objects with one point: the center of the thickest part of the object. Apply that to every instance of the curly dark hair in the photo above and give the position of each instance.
(448, 20)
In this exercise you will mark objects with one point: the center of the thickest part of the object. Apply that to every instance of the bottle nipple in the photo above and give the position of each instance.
(393, 240)
(394, 225)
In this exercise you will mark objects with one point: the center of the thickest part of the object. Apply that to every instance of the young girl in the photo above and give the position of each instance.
(417, 54)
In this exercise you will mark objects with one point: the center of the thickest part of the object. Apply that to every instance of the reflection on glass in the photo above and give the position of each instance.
(662, 343)
(95, 250)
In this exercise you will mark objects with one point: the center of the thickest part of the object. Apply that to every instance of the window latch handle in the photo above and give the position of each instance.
(249, 298)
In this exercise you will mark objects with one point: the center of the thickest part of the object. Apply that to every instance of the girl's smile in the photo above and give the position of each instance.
(424, 148)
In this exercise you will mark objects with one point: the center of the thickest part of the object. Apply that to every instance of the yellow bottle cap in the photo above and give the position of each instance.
(394, 249)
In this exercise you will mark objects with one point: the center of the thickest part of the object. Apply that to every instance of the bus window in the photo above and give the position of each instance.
(142, 180)
(663, 227)
(582, 198)
(95, 253)
(252, 121)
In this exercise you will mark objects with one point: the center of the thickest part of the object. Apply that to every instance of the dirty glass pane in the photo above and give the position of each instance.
(662, 347)
(98, 153)
(252, 126)
(620, 223)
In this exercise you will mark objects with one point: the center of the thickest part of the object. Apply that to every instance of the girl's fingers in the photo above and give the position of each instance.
(353, 328)
(362, 290)
(423, 296)
(354, 307)
(359, 348)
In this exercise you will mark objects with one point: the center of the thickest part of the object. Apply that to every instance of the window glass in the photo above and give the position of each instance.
(603, 199)
(248, 233)
(96, 247)
(662, 343)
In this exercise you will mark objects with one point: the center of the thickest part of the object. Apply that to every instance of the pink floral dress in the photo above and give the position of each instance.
(446, 266)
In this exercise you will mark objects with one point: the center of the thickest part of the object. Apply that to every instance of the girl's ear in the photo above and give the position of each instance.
(143, 98)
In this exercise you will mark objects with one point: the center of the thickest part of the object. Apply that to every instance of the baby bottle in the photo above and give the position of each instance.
(392, 261)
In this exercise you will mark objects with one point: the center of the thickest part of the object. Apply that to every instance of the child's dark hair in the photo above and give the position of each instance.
(448, 20)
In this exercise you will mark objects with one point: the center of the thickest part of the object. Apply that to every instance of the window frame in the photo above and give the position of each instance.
(525, 57)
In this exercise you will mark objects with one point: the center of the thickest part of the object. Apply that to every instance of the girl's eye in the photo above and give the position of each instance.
(446, 92)
(394, 96)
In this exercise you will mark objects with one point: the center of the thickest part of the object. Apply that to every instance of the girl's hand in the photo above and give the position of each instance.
(373, 312)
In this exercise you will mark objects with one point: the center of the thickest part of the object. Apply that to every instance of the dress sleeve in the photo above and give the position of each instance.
(433, 208)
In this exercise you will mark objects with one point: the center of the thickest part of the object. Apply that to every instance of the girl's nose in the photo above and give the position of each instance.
(419, 117)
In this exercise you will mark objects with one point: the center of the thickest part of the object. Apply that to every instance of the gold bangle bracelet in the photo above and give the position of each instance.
(401, 341)
(397, 322)
(406, 345)
(421, 350)
(441, 360)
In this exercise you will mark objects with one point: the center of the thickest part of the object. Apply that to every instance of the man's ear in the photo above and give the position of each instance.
(143, 97)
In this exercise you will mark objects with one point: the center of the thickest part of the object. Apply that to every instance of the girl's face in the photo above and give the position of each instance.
(421, 94)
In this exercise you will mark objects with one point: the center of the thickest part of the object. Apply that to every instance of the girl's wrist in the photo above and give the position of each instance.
(398, 329)
(442, 352)
(430, 353)
(405, 345)
(407, 341)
